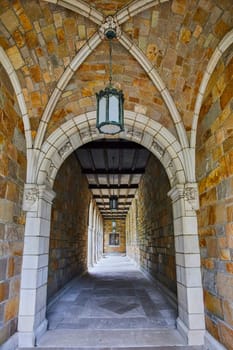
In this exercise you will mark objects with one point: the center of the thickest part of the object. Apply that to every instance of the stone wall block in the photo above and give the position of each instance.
(4, 292)
(25, 323)
(193, 277)
(70, 206)
(149, 226)
(195, 300)
(28, 304)
(3, 268)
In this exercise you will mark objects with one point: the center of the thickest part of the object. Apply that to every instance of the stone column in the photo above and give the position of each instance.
(33, 294)
(190, 321)
(90, 240)
(101, 242)
(90, 247)
(98, 238)
(94, 235)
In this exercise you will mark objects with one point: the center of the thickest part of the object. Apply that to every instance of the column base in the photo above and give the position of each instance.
(28, 339)
(41, 329)
(191, 336)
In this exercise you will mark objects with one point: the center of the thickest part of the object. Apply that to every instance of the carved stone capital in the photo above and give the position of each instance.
(33, 193)
(189, 192)
(30, 197)
(110, 24)
(191, 195)
(176, 193)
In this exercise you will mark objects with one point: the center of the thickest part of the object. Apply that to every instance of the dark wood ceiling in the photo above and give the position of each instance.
(113, 167)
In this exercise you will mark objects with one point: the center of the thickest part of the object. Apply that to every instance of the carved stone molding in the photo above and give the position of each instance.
(157, 148)
(33, 193)
(136, 134)
(191, 195)
(30, 197)
(50, 172)
(189, 192)
(171, 166)
(46, 193)
(86, 134)
(65, 149)
(51, 167)
(176, 192)
(110, 24)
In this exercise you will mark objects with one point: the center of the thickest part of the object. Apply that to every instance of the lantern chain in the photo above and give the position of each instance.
(110, 62)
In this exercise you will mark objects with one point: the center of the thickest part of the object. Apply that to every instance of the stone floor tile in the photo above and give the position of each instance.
(113, 306)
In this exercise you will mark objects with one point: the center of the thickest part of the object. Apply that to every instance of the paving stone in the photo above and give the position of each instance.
(113, 296)
(122, 338)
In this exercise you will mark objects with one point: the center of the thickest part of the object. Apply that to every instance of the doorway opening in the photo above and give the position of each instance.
(167, 150)
(84, 229)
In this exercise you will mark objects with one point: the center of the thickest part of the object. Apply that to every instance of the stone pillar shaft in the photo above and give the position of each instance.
(33, 293)
(190, 322)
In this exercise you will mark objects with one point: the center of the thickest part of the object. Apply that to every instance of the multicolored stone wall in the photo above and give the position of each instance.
(12, 177)
(69, 226)
(120, 229)
(149, 227)
(215, 176)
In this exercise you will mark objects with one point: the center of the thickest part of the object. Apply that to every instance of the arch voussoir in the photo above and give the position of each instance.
(81, 129)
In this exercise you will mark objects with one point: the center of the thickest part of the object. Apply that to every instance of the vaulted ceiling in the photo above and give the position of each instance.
(177, 36)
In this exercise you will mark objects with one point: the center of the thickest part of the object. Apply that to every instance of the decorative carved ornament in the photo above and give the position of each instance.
(86, 134)
(31, 194)
(109, 24)
(189, 192)
(65, 149)
(136, 134)
(191, 195)
(30, 198)
(158, 149)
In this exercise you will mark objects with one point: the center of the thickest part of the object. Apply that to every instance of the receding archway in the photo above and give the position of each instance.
(38, 200)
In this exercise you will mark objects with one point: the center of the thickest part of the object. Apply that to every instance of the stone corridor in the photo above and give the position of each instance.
(169, 169)
(113, 305)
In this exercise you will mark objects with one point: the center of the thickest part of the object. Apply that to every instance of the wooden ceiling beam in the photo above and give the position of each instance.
(119, 197)
(139, 171)
(123, 186)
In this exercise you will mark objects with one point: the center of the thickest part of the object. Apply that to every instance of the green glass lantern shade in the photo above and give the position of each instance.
(110, 111)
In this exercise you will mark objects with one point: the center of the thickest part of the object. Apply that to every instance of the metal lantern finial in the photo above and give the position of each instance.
(110, 112)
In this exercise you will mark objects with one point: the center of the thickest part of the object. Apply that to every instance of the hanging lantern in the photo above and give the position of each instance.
(113, 202)
(110, 111)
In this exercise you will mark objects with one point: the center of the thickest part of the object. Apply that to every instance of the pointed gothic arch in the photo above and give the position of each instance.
(38, 199)
(138, 128)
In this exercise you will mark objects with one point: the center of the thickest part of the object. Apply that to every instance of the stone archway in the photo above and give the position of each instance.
(38, 199)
